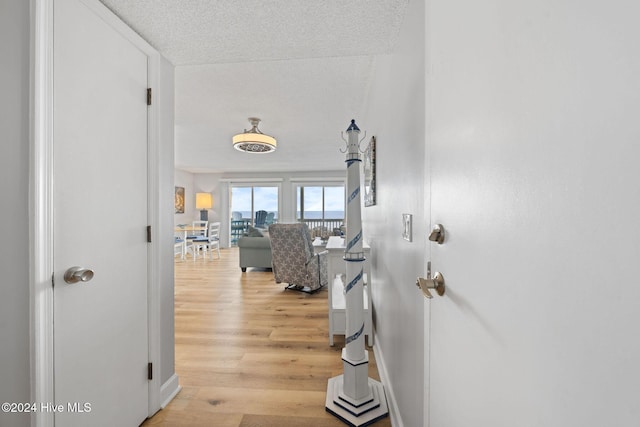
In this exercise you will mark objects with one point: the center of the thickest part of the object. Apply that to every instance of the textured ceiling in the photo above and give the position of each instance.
(304, 67)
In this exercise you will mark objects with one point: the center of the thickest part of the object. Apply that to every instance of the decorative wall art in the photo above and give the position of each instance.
(369, 168)
(179, 200)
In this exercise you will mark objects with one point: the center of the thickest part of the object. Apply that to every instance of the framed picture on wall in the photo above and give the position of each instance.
(370, 173)
(179, 200)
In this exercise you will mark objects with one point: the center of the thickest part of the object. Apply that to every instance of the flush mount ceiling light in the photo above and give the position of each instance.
(254, 141)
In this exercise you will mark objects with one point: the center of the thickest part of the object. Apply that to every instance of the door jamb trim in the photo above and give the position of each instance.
(41, 207)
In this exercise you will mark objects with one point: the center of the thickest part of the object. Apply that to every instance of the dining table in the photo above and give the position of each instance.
(186, 229)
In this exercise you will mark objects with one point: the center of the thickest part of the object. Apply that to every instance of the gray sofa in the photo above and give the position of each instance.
(255, 251)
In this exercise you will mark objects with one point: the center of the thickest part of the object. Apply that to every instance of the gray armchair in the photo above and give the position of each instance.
(293, 258)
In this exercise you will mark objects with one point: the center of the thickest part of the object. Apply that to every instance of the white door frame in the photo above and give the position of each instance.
(426, 396)
(41, 204)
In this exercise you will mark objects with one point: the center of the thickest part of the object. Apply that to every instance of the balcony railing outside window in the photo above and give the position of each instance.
(321, 207)
(324, 227)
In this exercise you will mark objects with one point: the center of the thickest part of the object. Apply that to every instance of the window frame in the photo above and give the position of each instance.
(252, 185)
(298, 189)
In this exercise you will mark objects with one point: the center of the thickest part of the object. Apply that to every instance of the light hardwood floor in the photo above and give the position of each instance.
(249, 353)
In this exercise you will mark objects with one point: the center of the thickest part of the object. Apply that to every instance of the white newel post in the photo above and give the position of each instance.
(354, 397)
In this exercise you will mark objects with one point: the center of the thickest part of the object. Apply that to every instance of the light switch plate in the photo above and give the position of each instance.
(407, 232)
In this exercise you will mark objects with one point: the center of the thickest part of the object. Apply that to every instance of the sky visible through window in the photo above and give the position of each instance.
(264, 198)
(333, 202)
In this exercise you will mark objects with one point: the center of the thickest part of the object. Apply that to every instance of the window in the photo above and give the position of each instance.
(321, 207)
(246, 201)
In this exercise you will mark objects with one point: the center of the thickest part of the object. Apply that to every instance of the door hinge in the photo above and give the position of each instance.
(150, 371)
(148, 96)
(148, 234)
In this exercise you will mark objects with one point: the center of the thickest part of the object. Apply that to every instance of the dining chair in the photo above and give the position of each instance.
(182, 246)
(179, 247)
(198, 233)
(210, 242)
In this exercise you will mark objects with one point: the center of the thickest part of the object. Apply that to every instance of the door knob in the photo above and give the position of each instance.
(436, 283)
(437, 234)
(78, 274)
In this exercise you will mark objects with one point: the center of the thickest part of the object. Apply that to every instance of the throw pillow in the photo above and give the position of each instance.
(254, 232)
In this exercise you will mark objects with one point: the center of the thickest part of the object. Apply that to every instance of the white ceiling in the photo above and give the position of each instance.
(304, 67)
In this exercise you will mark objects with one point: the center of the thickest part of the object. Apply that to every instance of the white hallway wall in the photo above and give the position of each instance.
(14, 224)
(396, 117)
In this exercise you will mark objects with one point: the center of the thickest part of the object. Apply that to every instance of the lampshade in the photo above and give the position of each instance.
(253, 140)
(204, 201)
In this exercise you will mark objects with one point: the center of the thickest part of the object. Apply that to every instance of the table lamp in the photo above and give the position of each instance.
(204, 201)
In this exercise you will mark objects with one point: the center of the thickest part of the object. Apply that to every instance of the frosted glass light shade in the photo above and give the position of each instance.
(253, 140)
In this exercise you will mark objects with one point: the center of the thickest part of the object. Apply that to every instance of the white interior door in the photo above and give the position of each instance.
(534, 175)
(100, 217)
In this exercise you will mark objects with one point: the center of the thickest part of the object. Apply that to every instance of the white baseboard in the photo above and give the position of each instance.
(392, 403)
(169, 390)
